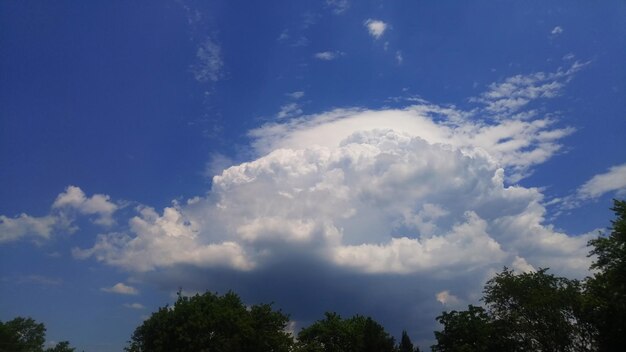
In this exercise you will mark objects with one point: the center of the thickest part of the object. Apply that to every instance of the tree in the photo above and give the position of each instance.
(537, 311)
(533, 311)
(405, 344)
(469, 330)
(334, 334)
(209, 322)
(27, 335)
(22, 334)
(606, 290)
(62, 346)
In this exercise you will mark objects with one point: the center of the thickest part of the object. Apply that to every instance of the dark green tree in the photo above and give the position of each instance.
(469, 330)
(209, 322)
(606, 290)
(405, 344)
(537, 311)
(22, 335)
(334, 334)
(62, 346)
(27, 335)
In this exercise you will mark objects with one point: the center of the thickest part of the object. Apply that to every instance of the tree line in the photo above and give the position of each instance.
(532, 311)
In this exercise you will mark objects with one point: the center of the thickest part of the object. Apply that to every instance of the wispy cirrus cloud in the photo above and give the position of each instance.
(209, 63)
(614, 180)
(338, 6)
(516, 92)
(289, 110)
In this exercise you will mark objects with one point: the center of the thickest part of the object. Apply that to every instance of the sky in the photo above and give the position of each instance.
(384, 158)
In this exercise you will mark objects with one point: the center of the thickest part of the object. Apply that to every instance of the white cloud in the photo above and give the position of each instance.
(362, 200)
(289, 110)
(98, 204)
(328, 55)
(296, 95)
(380, 201)
(135, 305)
(61, 217)
(399, 57)
(376, 28)
(338, 6)
(614, 180)
(163, 240)
(447, 299)
(13, 229)
(209, 63)
(515, 144)
(516, 92)
(122, 289)
(557, 30)
(216, 164)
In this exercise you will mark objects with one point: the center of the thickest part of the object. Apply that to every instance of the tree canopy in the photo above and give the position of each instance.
(209, 322)
(355, 334)
(537, 311)
(605, 295)
(26, 335)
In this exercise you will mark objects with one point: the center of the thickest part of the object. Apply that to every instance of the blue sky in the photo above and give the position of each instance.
(374, 157)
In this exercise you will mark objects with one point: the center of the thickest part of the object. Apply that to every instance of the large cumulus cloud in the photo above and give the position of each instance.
(389, 212)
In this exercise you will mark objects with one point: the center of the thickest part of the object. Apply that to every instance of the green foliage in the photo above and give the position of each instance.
(406, 345)
(465, 331)
(334, 334)
(209, 322)
(22, 335)
(606, 290)
(533, 311)
(536, 310)
(62, 346)
(26, 335)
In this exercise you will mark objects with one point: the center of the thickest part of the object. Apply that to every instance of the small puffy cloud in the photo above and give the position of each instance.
(399, 57)
(557, 30)
(376, 28)
(122, 289)
(98, 204)
(328, 55)
(209, 63)
(289, 110)
(520, 265)
(447, 299)
(296, 95)
(135, 305)
(284, 35)
(614, 180)
(67, 205)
